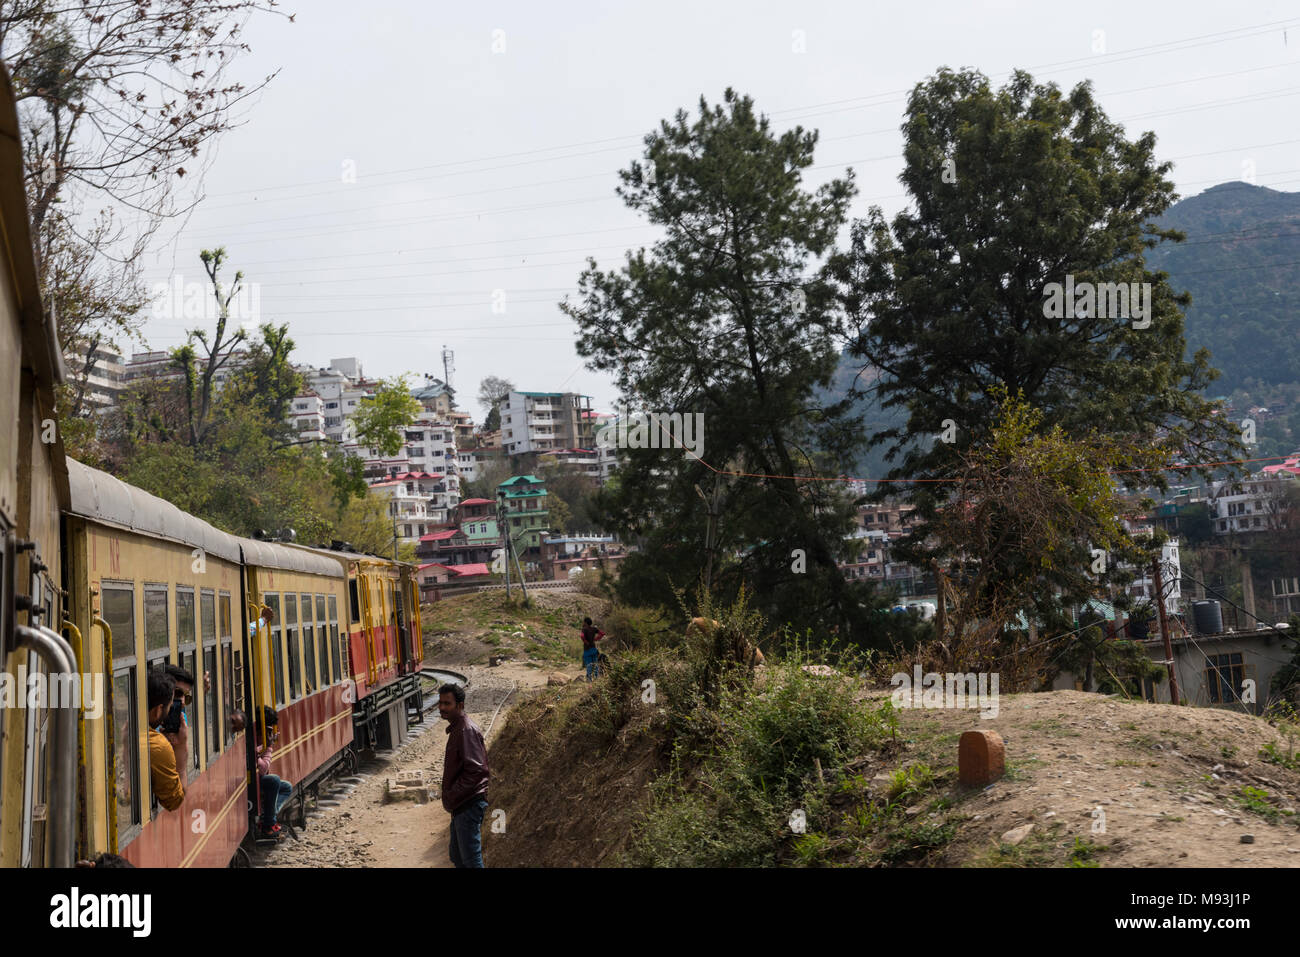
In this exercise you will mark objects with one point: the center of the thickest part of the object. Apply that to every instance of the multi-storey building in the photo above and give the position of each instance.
(583, 461)
(1254, 504)
(545, 421)
(527, 513)
(308, 417)
(103, 380)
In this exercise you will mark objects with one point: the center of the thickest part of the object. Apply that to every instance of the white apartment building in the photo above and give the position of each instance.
(160, 365)
(308, 417)
(545, 422)
(416, 502)
(105, 378)
(1253, 504)
(583, 461)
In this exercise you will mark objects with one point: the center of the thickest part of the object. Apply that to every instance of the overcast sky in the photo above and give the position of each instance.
(397, 173)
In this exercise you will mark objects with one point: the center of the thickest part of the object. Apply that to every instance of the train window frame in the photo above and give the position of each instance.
(306, 609)
(187, 644)
(272, 601)
(124, 668)
(225, 664)
(323, 643)
(291, 641)
(354, 600)
(338, 659)
(151, 648)
(208, 689)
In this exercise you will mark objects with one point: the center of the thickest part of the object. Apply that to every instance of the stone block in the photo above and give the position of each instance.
(981, 758)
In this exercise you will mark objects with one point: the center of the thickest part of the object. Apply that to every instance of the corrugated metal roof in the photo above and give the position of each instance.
(99, 496)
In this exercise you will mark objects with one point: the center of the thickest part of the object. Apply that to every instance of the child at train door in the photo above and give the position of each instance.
(275, 790)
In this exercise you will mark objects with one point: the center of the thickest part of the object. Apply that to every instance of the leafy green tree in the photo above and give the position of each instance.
(199, 369)
(382, 418)
(730, 316)
(1012, 190)
(268, 380)
(1045, 186)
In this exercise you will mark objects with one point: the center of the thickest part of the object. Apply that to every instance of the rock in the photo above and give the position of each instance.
(1217, 767)
(1017, 834)
(1248, 839)
(913, 811)
(557, 678)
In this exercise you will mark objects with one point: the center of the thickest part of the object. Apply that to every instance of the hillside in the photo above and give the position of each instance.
(1177, 786)
(1241, 263)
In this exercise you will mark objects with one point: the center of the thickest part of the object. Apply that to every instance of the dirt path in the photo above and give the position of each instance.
(362, 831)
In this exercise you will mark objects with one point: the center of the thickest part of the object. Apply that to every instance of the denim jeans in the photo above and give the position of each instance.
(275, 791)
(466, 839)
(591, 658)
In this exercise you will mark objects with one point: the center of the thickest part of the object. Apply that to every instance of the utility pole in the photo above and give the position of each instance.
(505, 537)
(1157, 578)
(711, 529)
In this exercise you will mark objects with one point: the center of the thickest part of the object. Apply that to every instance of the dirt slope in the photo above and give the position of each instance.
(1177, 786)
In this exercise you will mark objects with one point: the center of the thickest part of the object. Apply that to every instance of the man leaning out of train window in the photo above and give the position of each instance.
(168, 788)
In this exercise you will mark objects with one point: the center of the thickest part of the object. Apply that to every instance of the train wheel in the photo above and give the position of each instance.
(350, 761)
(241, 858)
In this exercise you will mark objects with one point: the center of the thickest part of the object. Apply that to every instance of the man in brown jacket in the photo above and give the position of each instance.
(464, 778)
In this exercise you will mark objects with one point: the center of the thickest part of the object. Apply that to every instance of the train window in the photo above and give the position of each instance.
(323, 643)
(227, 691)
(228, 700)
(354, 601)
(308, 646)
(335, 645)
(277, 663)
(184, 617)
(191, 711)
(291, 638)
(126, 742)
(210, 717)
(119, 612)
(155, 618)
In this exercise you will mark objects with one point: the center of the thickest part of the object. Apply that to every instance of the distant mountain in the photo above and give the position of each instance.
(1241, 263)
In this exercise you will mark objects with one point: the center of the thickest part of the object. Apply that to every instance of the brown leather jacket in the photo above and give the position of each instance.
(465, 768)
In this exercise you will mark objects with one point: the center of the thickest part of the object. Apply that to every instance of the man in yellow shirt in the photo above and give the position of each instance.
(168, 787)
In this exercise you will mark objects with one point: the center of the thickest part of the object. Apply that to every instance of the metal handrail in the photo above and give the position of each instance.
(110, 729)
(57, 655)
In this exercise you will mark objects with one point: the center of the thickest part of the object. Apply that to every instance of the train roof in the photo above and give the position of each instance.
(289, 558)
(99, 496)
(347, 557)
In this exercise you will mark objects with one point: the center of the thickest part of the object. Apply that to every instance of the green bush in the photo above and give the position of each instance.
(742, 770)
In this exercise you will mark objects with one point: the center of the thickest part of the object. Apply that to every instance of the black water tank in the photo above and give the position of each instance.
(1208, 617)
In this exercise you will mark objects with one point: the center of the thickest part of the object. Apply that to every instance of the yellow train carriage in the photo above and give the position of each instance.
(38, 745)
(150, 585)
(301, 660)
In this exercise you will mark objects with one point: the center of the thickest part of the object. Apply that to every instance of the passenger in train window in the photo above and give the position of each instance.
(237, 723)
(275, 791)
(265, 619)
(168, 788)
(176, 725)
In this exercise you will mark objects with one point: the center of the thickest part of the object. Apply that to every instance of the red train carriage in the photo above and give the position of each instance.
(384, 643)
(301, 660)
